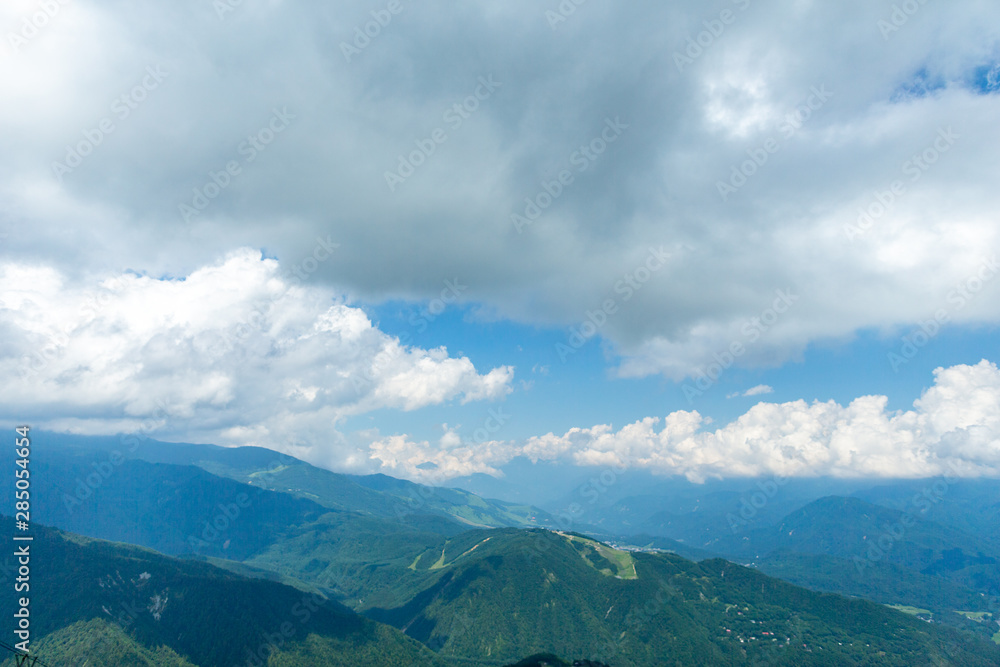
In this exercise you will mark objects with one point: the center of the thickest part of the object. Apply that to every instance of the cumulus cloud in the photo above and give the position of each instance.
(953, 428)
(237, 351)
(788, 226)
(428, 463)
(753, 391)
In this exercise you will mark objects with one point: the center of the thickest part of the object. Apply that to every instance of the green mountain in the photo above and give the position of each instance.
(883, 582)
(173, 509)
(116, 604)
(374, 494)
(849, 546)
(549, 660)
(183, 510)
(364, 560)
(695, 514)
(493, 596)
(852, 528)
(969, 505)
(866, 534)
(101, 642)
(497, 595)
(504, 594)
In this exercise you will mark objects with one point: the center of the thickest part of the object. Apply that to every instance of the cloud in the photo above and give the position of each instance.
(354, 120)
(451, 457)
(954, 428)
(237, 351)
(753, 391)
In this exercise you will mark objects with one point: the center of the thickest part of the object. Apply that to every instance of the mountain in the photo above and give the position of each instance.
(701, 514)
(883, 582)
(173, 509)
(643, 542)
(495, 595)
(124, 605)
(183, 510)
(940, 538)
(364, 560)
(849, 546)
(505, 593)
(374, 494)
(692, 513)
(969, 505)
(100, 642)
(865, 534)
(549, 660)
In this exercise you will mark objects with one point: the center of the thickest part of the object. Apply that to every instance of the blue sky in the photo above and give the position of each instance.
(583, 389)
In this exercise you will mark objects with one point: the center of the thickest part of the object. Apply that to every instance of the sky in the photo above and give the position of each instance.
(701, 239)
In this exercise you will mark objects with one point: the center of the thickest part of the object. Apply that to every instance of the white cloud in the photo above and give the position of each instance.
(753, 391)
(784, 229)
(234, 352)
(399, 456)
(954, 427)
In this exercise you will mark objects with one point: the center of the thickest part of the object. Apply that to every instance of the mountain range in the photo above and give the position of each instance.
(215, 547)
